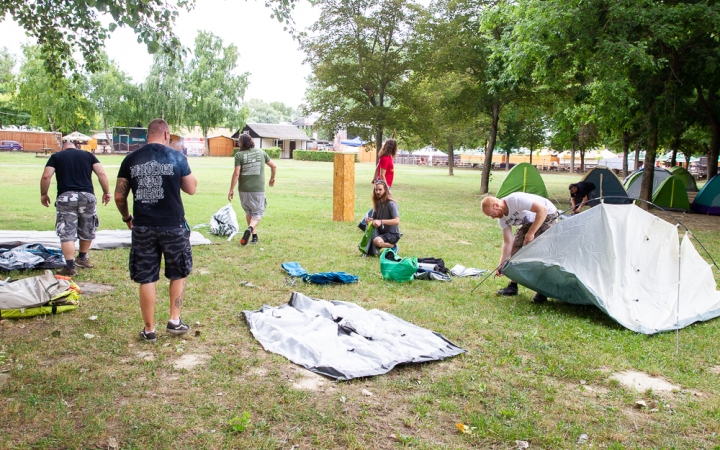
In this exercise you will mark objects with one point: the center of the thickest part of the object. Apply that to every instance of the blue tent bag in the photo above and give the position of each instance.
(395, 268)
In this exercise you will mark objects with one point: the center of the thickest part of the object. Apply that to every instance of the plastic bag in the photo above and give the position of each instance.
(395, 268)
(367, 237)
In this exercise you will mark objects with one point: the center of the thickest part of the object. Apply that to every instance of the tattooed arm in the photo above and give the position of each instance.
(122, 190)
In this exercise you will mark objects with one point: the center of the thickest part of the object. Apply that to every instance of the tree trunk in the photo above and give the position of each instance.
(582, 160)
(451, 158)
(674, 148)
(646, 188)
(572, 158)
(485, 181)
(626, 153)
(507, 161)
(531, 152)
(637, 155)
(378, 143)
(107, 136)
(708, 104)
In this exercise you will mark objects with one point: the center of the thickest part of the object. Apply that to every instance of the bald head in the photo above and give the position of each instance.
(158, 132)
(493, 207)
(67, 144)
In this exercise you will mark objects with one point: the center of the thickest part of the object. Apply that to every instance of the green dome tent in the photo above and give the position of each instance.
(606, 185)
(708, 199)
(523, 178)
(672, 194)
(633, 182)
(686, 176)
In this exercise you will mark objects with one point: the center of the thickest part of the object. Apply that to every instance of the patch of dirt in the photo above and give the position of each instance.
(203, 272)
(715, 369)
(694, 222)
(309, 381)
(641, 382)
(147, 356)
(3, 380)
(190, 361)
(89, 288)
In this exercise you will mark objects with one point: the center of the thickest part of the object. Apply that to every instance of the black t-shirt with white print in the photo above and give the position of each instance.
(155, 172)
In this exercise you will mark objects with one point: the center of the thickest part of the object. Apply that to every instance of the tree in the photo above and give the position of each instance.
(359, 56)
(107, 91)
(273, 112)
(65, 27)
(164, 94)
(9, 112)
(54, 104)
(214, 92)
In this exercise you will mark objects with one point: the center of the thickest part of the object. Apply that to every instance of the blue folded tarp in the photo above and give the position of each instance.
(294, 269)
(330, 277)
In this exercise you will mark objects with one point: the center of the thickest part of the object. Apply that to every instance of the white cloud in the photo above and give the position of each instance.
(266, 51)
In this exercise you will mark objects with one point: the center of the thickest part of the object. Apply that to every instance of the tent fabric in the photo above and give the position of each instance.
(524, 177)
(708, 199)
(31, 292)
(686, 177)
(104, 240)
(342, 340)
(672, 195)
(31, 256)
(294, 269)
(330, 278)
(626, 261)
(633, 181)
(607, 185)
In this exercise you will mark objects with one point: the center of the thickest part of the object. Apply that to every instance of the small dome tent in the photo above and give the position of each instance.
(708, 199)
(523, 178)
(685, 176)
(641, 273)
(634, 181)
(607, 186)
(672, 194)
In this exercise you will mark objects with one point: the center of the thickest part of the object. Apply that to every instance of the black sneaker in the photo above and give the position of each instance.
(539, 298)
(246, 236)
(509, 290)
(363, 226)
(180, 328)
(148, 337)
(254, 239)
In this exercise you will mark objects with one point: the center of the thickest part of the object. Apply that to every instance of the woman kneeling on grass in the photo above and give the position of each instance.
(386, 219)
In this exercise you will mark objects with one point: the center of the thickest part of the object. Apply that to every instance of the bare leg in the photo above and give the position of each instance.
(248, 219)
(148, 295)
(252, 221)
(379, 243)
(177, 296)
(84, 246)
(68, 250)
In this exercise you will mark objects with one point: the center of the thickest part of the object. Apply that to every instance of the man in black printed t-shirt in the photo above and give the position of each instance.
(155, 173)
(75, 204)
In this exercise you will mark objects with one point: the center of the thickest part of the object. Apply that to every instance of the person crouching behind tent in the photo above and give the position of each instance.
(532, 214)
(385, 219)
(580, 193)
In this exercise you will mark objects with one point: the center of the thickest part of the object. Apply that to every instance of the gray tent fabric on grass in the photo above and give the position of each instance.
(223, 223)
(343, 340)
(104, 239)
(629, 263)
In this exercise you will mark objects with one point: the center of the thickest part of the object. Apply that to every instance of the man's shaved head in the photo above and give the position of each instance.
(67, 144)
(157, 127)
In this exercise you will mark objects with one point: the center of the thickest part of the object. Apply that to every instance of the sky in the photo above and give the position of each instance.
(277, 72)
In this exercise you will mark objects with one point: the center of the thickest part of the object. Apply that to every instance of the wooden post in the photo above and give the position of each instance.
(344, 187)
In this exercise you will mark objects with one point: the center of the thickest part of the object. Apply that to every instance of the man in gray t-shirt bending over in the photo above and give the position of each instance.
(532, 214)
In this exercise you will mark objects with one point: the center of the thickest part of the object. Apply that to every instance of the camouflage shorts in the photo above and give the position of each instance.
(149, 244)
(76, 216)
(519, 238)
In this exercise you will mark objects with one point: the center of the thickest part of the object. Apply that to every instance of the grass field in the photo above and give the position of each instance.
(535, 373)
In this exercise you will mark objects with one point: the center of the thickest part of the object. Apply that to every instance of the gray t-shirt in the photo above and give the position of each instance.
(519, 204)
(387, 211)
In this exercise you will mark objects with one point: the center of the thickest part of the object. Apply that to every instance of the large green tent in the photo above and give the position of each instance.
(523, 178)
(686, 176)
(672, 194)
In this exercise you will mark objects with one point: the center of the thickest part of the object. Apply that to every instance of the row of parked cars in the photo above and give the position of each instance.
(11, 146)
